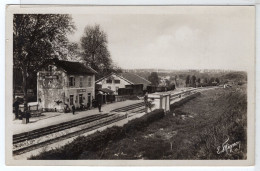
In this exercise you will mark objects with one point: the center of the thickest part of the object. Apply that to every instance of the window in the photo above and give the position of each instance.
(117, 81)
(80, 81)
(90, 81)
(109, 81)
(72, 81)
(117, 89)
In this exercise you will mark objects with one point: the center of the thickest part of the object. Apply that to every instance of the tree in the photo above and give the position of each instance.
(167, 82)
(154, 79)
(38, 38)
(95, 51)
(212, 79)
(187, 81)
(174, 80)
(206, 80)
(198, 80)
(193, 81)
(217, 80)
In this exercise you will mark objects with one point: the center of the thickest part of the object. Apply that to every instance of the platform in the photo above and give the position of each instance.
(52, 118)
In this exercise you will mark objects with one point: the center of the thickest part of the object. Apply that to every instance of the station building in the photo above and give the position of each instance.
(64, 83)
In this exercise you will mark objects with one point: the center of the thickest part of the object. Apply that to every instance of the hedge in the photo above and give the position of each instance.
(98, 140)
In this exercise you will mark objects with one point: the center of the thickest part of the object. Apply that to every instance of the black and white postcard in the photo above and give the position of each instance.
(130, 85)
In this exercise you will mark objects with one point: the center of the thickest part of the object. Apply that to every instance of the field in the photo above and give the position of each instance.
(196, 130)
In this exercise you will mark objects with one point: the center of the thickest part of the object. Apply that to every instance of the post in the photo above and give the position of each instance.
(169, 102)
(161, 97)
(165, 109)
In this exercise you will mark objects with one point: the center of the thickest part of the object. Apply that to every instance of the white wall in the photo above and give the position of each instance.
(113, 85)
(60, 90)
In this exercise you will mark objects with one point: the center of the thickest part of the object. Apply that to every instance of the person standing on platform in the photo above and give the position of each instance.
(16, 108)
(73, 109)
(99, 101)
(27, 117)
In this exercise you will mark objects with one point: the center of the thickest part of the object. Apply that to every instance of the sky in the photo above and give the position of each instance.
(176, 38)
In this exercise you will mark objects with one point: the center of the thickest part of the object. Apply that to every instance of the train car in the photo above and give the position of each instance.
(125, 91)
(151, 89)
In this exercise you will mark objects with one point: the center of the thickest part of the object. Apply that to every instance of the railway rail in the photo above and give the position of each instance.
(32, 135)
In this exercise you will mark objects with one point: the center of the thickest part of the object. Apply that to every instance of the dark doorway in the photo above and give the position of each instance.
(89, 98)
(80, 98)
(71, 99)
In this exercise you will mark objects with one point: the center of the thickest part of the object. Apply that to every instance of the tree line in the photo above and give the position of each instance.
(193, 81)
(190, 81)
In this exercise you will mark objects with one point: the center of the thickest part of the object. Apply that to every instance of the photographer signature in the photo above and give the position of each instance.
(228, 148)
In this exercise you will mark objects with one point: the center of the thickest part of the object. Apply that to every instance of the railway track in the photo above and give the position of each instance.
(55, 128)
(32, 135)
(129, 108)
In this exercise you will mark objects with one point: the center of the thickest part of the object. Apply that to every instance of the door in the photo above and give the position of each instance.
(89, 98)
(71, 99)
(80, 99)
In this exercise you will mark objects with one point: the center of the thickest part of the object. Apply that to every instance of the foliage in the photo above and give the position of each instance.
(198, 80)
(193, 81)
(187, 82)
(37, 38)
(238, 76)
(154, 79)
(95, 51)
(217, 80)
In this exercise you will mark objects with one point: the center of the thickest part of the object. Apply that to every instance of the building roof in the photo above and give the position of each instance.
(129, 77)
(74, 67)
(135, 79)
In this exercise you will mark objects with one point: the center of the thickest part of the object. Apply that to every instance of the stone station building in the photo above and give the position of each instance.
(64, 83)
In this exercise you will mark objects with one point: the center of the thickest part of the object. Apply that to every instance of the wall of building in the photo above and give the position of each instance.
(50, 93)
(113, 86)
(54, 90)
(85, 90)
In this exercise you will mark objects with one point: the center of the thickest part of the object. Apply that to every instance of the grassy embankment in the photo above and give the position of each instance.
(192, 131)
